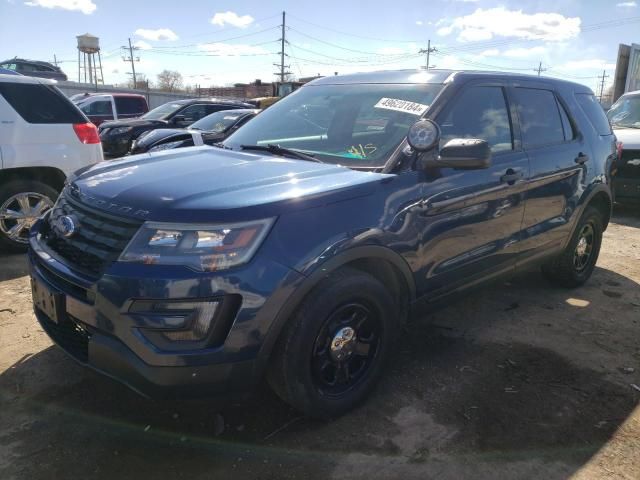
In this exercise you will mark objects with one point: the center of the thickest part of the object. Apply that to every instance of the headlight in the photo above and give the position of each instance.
(203, 248)
(166, 146)
(120, 130)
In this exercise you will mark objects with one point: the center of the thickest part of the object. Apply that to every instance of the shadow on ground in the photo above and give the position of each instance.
(13, 265)
(451, 391)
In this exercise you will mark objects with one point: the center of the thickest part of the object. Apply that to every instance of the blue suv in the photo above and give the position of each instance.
(297, 248)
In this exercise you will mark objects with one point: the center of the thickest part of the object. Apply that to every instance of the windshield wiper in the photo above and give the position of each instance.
(278, 150)
(621, 125)
(221, 145)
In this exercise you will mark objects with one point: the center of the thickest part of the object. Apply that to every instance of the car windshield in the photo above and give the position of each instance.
(625, 112)
(357, 125)
(162, 112)
(218, 121)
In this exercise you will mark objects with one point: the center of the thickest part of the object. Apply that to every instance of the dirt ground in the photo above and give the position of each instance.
(519, 380)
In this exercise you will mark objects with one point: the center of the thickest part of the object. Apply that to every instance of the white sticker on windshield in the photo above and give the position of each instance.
(401, 106)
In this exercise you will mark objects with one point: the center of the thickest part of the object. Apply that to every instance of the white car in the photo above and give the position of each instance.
(43, 139)
(624, 116)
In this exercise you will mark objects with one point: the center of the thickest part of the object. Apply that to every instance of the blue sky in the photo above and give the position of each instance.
(222, 42)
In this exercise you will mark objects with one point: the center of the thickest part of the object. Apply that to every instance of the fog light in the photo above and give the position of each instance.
(200, 324)
(176, 321)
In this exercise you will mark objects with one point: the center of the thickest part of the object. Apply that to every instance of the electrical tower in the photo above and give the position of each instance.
(429, 50)
(283, 68)
(539, 69)
(602, 79)
(131, 59)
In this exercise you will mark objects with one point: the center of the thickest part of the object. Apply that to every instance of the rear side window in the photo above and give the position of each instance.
(479, 112)
(37, 103)
(130, 105)
(594, 112)
(99, 107)
(539, 115)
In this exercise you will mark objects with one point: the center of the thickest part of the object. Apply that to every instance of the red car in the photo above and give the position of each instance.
(103, 107)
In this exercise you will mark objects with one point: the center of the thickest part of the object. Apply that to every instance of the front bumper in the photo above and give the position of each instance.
(97, 328)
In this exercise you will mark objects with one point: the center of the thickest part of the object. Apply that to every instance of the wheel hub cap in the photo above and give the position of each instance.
(581, 249)
(19, 212)
(343, 343)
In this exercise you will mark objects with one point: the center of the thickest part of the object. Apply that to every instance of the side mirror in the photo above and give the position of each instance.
(177, 119)
(423, 135)
(465, 153)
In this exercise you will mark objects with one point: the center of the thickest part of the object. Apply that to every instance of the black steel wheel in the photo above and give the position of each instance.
(576, 263)
(332, 351)
(345, 348)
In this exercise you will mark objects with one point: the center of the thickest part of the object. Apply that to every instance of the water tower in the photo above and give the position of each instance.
(88, 47)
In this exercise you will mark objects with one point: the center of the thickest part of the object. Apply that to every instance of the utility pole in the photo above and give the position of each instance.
(131, 59)
(604, 75)
(55, 60)
(283, 72)
(539, 69)
(429, 50)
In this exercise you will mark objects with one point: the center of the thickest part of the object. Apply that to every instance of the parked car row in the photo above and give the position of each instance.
(117, 136)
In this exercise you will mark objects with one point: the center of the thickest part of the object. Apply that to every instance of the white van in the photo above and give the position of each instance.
(43, 138)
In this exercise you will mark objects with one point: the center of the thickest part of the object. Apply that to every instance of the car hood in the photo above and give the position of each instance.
(630, 137)
(132, 122)
(159, 134)
(211, 184)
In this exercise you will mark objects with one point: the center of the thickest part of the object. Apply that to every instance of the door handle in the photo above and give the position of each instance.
(581, 158)
(511, 176)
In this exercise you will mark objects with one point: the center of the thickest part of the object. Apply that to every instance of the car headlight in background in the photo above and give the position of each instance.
(166, 146)
(120, 130)
(204, 248)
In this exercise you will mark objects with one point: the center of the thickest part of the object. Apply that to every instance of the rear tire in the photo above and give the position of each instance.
(21, 203)
(332, 351)
(576, 263)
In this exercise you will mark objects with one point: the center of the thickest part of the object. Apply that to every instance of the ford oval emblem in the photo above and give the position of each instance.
(66, 225)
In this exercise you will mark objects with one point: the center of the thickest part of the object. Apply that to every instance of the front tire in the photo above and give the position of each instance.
(22, 202)
(332, 351)
(577, 262)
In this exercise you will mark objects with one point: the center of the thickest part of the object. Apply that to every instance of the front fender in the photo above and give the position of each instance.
(303, 285)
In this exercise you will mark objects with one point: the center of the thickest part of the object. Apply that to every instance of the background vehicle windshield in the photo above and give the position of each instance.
(625, 112)
(162, 112)
(353, 125)
(217, 122)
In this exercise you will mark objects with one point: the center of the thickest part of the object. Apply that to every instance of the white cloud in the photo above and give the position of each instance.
(492, 52)
(484, 24)
(157, 34)
(627, 4)
(230, 50)
(142, 45)
(85, 6)
(419, 22)
(588, 64)
(232, 18)
(525, 52)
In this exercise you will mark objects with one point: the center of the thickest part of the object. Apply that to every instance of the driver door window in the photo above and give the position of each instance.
(479, 112)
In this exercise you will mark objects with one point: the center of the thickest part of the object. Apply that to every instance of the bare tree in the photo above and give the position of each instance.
(169, 80)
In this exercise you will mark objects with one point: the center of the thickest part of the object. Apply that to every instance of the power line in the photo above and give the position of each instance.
(236, 37)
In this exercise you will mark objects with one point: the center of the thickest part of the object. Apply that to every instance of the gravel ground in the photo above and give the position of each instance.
(519, 380)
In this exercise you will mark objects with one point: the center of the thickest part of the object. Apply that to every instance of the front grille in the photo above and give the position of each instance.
(98, 241)
(72, 337)
(629, 164)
